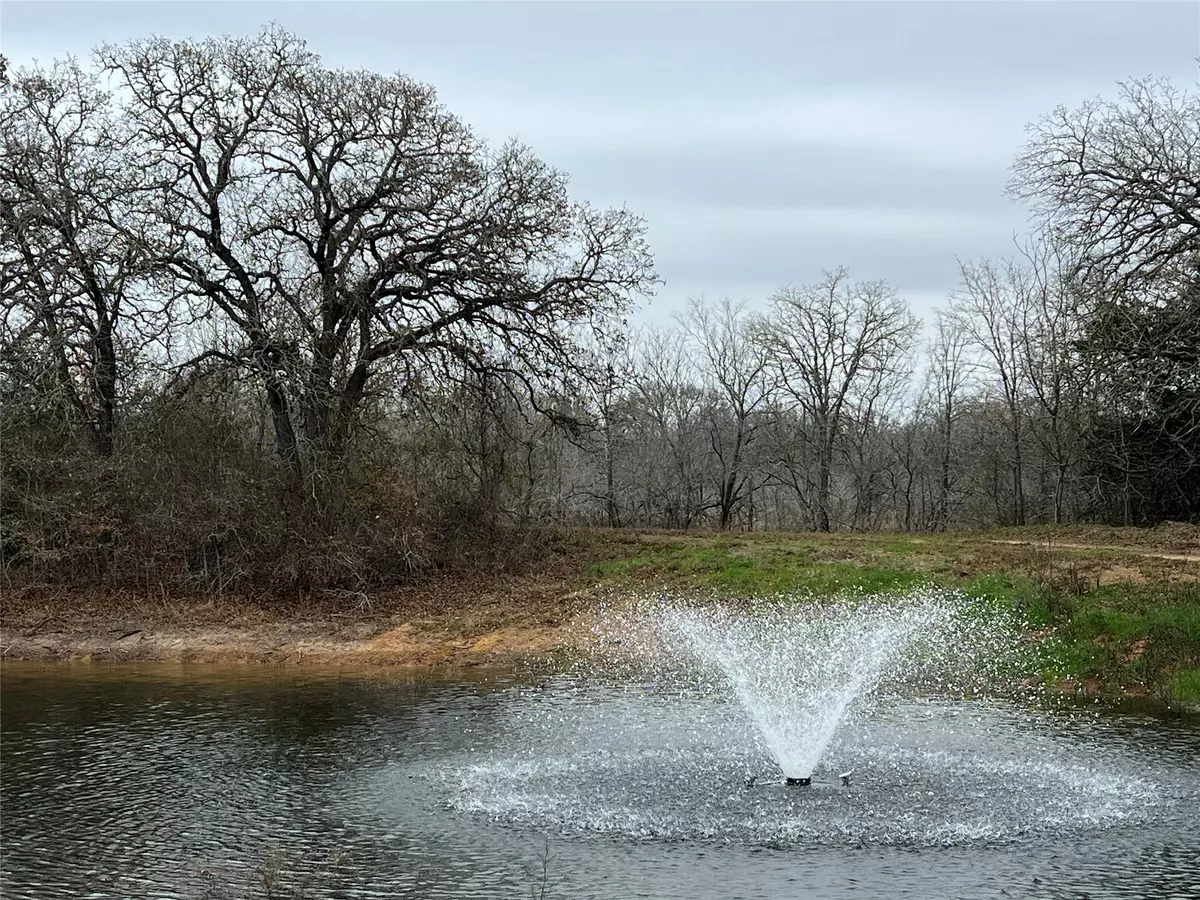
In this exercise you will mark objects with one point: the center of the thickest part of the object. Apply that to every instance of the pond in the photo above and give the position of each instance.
(188, 781)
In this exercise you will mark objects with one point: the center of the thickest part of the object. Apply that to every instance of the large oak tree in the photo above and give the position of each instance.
(344, 227)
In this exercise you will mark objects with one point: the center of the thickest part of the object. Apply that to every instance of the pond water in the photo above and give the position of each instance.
(184, 781)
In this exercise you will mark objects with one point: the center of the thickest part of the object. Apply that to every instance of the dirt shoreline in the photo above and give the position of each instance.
(366, 644)
(453, 622)
(291, 643)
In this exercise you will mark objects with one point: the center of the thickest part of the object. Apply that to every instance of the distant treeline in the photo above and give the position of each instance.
(269, 325)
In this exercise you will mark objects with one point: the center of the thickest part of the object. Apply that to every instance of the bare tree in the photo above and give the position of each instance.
(904, 469)
(608, 393)
(835, 345)
(341, 220)
(1143, 437)
(256, 285)
(986, 308)
(75, 271)
(786, 444)
(947, 378)
(1120, 181)
(672, 406)
(866, 449)
(1054, 371)
(736, 365)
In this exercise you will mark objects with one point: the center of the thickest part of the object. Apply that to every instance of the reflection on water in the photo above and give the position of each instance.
(137, 781)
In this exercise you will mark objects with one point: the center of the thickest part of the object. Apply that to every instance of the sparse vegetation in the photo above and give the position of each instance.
(277, 875)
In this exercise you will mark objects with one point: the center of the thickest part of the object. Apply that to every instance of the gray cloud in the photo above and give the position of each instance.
(763, 141)
(911, 251)
(786, 176)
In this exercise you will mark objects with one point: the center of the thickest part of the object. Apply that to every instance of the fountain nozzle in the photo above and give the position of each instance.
(798, 782)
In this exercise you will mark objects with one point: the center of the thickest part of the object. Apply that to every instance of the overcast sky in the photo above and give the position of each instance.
(763, 142)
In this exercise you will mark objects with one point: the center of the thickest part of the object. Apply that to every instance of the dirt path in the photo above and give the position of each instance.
(1131, 551)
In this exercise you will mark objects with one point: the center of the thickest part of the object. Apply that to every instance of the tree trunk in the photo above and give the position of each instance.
(610, 496)
(824, 479)
(1018, 471)
(942, 520)
(727, 490)
(729, 486)
(104, 376)
(285, 436)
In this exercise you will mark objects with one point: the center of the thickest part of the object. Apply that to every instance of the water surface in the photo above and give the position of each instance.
(161, 781)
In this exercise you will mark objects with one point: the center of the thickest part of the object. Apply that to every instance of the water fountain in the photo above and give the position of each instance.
(632, 766)
(796, 672)
(684, 705)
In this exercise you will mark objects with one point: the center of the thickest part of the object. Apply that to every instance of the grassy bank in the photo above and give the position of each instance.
(1119, 608)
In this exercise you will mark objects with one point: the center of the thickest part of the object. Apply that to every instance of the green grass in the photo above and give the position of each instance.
(1058, 659)
(1014, 590)
(617, 567)
(733, 569)
(1117, 635)
(1185, 686)
(1140, 633)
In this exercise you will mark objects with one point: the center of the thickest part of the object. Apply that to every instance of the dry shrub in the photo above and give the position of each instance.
(193, 500)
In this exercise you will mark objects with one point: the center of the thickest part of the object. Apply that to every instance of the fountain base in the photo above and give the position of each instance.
(755, 781)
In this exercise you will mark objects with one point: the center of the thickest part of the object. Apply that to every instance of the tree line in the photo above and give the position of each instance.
(270, 323)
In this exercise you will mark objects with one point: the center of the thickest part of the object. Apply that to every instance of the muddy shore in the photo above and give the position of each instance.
(449, 623)
(299, 643)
